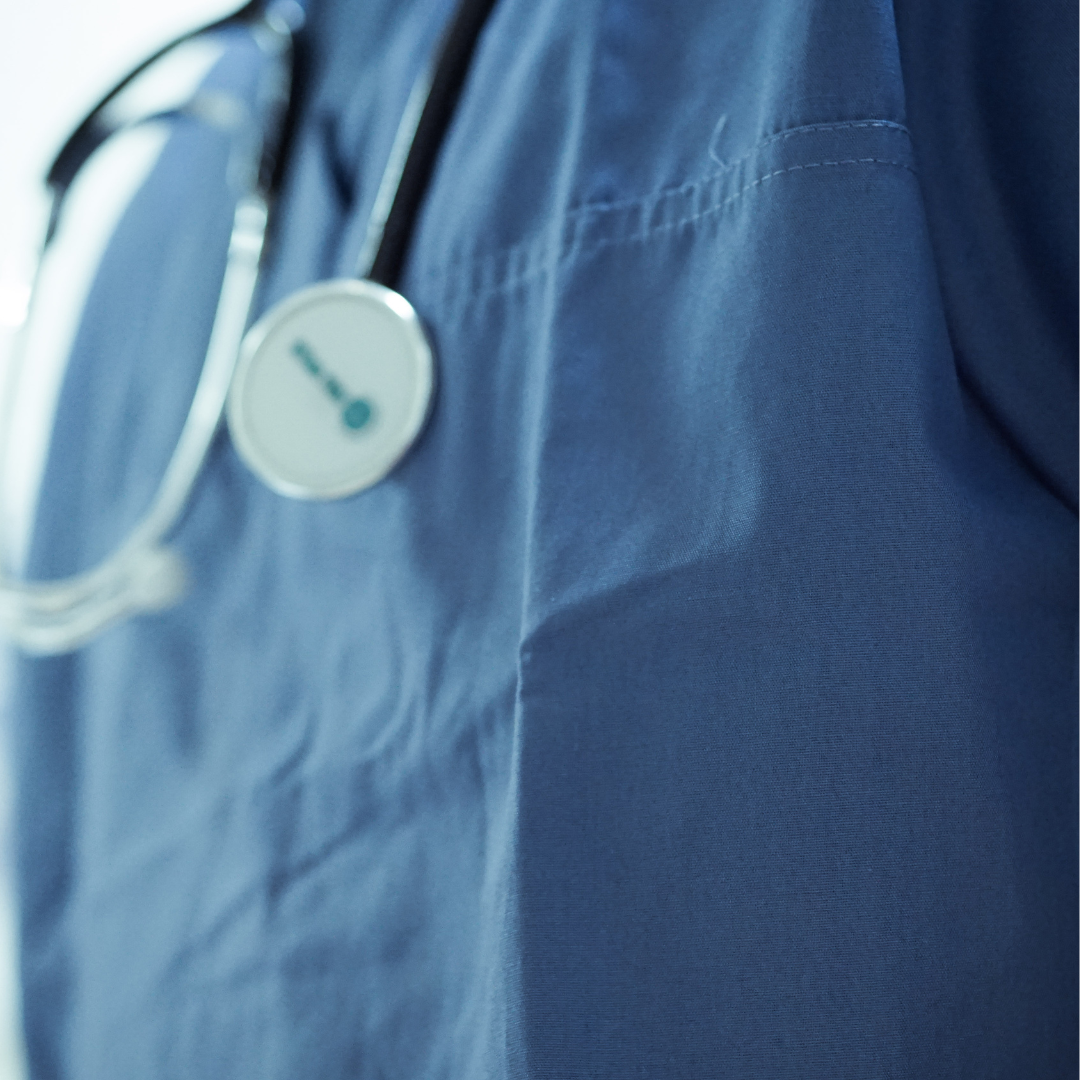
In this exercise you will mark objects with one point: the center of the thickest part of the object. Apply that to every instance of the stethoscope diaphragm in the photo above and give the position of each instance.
(332, 387)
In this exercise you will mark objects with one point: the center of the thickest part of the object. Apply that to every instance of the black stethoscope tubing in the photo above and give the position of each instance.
(449, 71)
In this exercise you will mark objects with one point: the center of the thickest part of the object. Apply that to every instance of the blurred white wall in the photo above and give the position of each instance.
(57, 57)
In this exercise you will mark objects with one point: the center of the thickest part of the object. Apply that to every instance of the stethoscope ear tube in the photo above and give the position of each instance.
(48, 617)
(144, 575)
(94, 129)
(146, 579)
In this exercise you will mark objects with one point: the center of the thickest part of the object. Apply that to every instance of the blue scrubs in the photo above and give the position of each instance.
(697, 699)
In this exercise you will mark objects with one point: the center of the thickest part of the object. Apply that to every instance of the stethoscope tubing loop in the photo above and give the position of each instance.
(35, 613)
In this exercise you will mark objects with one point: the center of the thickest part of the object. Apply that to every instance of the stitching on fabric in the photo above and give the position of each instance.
(571, 249)
(727, 166)
(802, 130)
(610, 241)
(523, 250)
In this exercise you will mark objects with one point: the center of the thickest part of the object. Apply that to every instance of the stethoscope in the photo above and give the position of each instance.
(325, 393)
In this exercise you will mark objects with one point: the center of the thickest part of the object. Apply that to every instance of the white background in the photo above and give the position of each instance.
(57, 57)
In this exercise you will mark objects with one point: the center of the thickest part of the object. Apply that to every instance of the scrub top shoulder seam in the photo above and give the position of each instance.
(592, 227)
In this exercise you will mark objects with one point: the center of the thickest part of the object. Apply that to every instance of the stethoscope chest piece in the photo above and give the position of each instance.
(332, 388)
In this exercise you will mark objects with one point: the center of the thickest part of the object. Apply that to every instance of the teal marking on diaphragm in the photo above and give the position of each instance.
(356, 413)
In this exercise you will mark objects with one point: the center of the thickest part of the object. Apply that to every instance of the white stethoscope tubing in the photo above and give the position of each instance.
(48, 617)
(54, 616)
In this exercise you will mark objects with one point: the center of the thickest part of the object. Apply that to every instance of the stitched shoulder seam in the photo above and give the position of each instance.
(574, 250)
(726, 166)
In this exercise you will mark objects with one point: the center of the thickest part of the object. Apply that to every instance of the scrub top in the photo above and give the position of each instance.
(697, 699)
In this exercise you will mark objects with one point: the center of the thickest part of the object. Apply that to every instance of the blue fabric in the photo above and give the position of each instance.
(697, 699)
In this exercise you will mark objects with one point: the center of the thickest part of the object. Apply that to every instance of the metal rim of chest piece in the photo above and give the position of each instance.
(332, 387)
